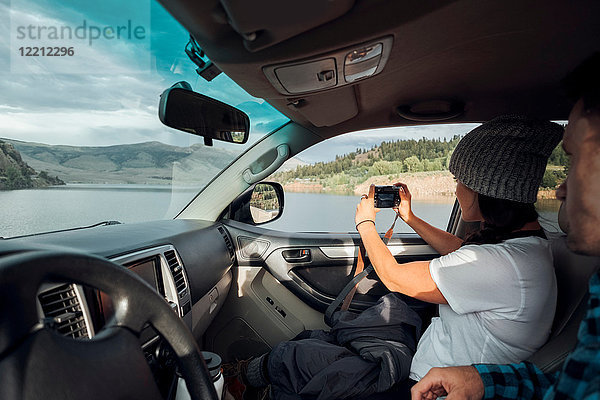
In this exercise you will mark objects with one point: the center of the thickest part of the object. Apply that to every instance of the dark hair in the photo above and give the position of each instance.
(501, 218)
(584, 83)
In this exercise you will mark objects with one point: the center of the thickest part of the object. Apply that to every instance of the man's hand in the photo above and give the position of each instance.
(457, 383)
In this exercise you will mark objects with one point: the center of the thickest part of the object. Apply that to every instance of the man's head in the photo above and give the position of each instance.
(581, 191)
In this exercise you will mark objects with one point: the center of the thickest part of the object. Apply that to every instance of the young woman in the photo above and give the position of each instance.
(494, 288)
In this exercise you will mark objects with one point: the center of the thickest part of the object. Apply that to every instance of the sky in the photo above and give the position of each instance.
(344, 144)
(108, 92)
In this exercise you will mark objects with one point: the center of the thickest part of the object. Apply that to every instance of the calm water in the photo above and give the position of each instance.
(335, 213)
(41, 210)
(29, 211)
(306, 212)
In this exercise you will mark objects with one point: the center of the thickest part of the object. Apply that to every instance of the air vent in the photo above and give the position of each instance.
(228, 242)
(177, 271)
(61, 305)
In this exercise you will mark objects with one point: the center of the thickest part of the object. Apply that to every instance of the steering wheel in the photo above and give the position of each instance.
(38, 363)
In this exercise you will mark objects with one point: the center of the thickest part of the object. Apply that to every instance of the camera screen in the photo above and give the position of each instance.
(385, 200)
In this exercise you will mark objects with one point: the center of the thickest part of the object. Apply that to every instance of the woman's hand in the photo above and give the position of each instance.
(365, 210)
(405, 209)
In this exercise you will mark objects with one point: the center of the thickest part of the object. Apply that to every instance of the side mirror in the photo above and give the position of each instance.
(259, 204)
(183, 109)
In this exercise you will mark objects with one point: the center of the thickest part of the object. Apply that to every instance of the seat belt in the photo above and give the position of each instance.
(347, 293)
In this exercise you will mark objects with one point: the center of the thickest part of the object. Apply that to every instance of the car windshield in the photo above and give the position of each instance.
(81, 141)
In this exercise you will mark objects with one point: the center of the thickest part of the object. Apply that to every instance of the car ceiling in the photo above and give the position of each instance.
(493, 57)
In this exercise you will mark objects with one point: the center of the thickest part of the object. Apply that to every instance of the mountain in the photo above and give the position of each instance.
(291, 164)
(140, 163)
(17, 174)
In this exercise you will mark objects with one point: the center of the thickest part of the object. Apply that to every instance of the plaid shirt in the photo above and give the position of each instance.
(578, 379)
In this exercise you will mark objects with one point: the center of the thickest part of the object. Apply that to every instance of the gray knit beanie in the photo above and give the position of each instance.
(506, 157)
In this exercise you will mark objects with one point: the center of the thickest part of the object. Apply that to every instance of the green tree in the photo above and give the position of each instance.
(413, 164)
(549, 180)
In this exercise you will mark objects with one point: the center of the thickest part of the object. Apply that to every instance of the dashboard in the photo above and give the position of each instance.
(162, 269)
(188, 263)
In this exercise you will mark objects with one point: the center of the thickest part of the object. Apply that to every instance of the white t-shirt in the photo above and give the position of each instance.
(501, 301)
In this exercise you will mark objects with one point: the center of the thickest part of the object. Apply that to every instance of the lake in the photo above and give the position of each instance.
(41, 210)
(310, 212)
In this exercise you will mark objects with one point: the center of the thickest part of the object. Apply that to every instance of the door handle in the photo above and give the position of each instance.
(296, 255)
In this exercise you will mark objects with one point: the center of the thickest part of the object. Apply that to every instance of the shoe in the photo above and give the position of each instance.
(236, 387)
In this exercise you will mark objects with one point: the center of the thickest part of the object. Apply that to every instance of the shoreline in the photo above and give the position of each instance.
(422, 185)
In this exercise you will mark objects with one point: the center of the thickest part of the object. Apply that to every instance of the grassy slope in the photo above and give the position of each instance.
(141, 163)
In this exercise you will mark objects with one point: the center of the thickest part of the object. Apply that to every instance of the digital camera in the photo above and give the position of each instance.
(387, 196)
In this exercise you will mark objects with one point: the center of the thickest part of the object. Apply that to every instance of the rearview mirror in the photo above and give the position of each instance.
(183, 109)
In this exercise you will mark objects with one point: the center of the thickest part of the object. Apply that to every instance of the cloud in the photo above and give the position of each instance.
(83, 32)
(45, 89)
(101, 107)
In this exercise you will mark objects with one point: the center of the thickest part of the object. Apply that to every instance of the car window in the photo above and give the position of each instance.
(323, 184)
(81, 141)
(555, 174)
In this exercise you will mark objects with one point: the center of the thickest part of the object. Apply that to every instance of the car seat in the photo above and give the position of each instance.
(573, 271)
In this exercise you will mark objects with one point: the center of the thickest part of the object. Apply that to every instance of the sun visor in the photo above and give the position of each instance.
(263, 23)
(327, 109)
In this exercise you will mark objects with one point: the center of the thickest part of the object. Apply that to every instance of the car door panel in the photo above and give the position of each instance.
(326, 279)
(259, 312)
(316, 266)
(283, 282)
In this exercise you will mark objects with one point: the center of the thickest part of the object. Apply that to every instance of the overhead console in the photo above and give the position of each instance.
(331, 70)
(321, 86)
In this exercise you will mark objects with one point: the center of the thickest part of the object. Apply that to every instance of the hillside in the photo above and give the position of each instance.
(291, 164)
(17, 174)
(423, 164)
(140, 163)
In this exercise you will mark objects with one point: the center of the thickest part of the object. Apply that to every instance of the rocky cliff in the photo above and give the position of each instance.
(16, 174)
